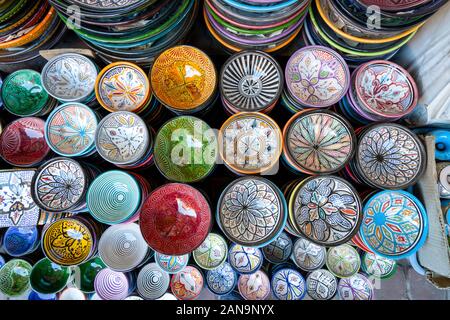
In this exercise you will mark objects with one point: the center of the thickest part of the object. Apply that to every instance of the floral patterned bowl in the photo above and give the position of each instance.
(307, 255)
(321, 285)
(288, 284)
(343, 261)
(211, 253)
(356, 287)
(187, 284)
(378, 266)
(255, 286)
(222, 280)
(279, 250)
(171, 264)
(245, 260)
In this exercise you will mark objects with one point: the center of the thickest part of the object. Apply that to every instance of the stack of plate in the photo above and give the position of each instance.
(266, 25)
(25, 28)
(133, 30)
(360, 33)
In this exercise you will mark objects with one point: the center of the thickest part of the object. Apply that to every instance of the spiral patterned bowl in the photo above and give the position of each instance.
(152, 282)
(111, 285)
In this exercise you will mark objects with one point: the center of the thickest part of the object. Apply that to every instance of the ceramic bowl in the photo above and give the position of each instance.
(15, 278)
(279, 250)
(356, 287)
(389, 156)
(133, 298)
(171, 264)
(317, 76)
(111, 285)
(255, 286)
(321, 285)
(343, 261)
(122, 247)
(395, 224)
(245, 260)
(221, 280)
(71, 294)
(69, 77)
(48, 278)
(168, 296)
(378, 266)
(197, 142)
(330, 221)
(288, 284)
(251, 211)
(211, 253)
(187, 284)
(22, 142)
(152, 282)
(175, 219)
(39, 296)
(70, 130)
(20, 241)
(86, 272)
(307, 255)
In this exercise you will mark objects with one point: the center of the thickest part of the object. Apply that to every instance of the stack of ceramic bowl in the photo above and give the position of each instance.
(27, 27)
(380, 91)
(124, 139)
(134, 31)
(266, 25)
(23, 94)
(359, 32)
(250, 81)
(184, 79)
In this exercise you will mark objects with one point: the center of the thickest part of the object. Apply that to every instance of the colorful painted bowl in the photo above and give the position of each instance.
(72, 294)
(318, 142)
(221, 280)
(20, 241)
(114, 197)
(251, 211)
(15, 278)
(325, 210)
(86, 272)
(251, 81)
(70, 130)
(185, 149)
(47, 277)
(152, 282)
(211, 253)
(251, 143)
(288, 284)
(378, 266)
(22, 142)
(255, 286)
(122, 86)
(111, 285)
(279, 250)
(184, 79)
(122, 247)
(395, 224)
(69, 77)
(343, 261)
(307, 255)
(187, 284)
(23, 94)
(317, 76)
(171, 264)
(389, 156)
(356, 287)
(245, 260)
(321, 285)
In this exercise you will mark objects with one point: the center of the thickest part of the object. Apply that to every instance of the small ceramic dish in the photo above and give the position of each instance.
(20, 241)
(111, 285)
(171, 264)
(343, 261)
(211, 253)
(321, 285)
(279, 250)
(48, 278)
(307, 255)
(356, 287)
(255, 286)
(152, 282)
(288, 284)
(245, 260)
(378, 266)
(221, 280)
(15, 278)
(187, 284)
(86, 272)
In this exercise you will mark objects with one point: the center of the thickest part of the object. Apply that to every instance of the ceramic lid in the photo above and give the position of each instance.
(325, 210)
(255, 286)
(187, 284)
(251, 143)
(19, 241)
(183, 78)
(171, 264)
(175, 219)
(378, 266)
(15, 278)
(70, 129)
(288, 284)
(356, 287)
(67, 242)
(317, 76)
(185, 149)
(47, 277)
(245, 259)
(59, 185)
(343, 261)
(251, 81)
(251, 211)
(152, 282)
(22, 142)
(221, 280)
(69, 77)
(113, 197)
(111, 285)
(122, 138)
(211, 253)
(389, 156)
(278, 250)
(307, 255)
(321, 285)
(319, 142)
(395, 224)
(87, 272)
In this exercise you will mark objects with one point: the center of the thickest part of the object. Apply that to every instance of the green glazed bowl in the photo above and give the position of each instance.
(48, 277)
(86, 272)
(15, 277)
